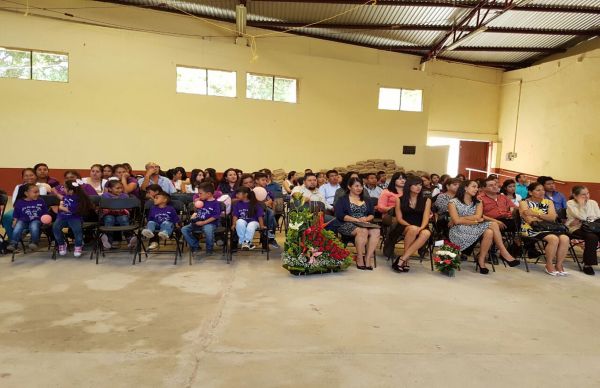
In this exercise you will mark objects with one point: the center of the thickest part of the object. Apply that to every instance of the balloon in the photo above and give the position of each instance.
(46, 219)
(199, 204)
(261, 193)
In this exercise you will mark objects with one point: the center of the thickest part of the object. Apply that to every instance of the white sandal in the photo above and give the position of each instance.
(553, 273)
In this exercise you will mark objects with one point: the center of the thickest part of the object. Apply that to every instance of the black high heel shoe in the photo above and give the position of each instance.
(362, 267)
(512, 263)
(398, 268)
(484, 271)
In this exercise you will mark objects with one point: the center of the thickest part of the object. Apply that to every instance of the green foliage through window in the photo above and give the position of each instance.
(35, 65)
(266, 87)
(203, 81)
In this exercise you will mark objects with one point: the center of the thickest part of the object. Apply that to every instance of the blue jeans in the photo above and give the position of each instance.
(74, 225)
(245, 230)
(7, 219)
(110, 220)
(270, 221)
(209, 235)
(21, 226)
(166, 227)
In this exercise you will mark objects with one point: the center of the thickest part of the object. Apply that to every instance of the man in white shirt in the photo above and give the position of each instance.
(309, 190)
(372, 188)
(328, 189)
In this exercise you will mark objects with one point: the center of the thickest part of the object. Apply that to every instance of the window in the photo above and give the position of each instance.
(206, 82)
(401, 99)
(36, 65)
(268, 87)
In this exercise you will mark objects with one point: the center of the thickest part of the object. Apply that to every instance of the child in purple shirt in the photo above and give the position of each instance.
(162, 217)
(112, 217)
(248, 216)
(205, 220)
(74, 205)
(26, 216)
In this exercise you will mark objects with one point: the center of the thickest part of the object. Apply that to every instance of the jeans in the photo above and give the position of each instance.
(21, 226)
(209, 235)
(7, 219)
(110, 220)
(166, 227)
(271, 222)
(245, 230)
(73, 224)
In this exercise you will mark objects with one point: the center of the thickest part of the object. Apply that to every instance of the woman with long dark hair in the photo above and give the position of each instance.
(355, 211)
(387, 199)
(509, 188)
(413, 211)
(466, 213)
(230, 182)
(581, 209)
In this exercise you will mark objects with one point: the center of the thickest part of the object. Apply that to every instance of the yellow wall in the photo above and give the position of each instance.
(120, 102)
(558, 130)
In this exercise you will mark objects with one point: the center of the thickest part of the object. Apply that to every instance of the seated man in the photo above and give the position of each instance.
(497, 207)
(560, 202)
(272, 186)
(328, 189)
(371, 186)
(153, 176)
(261, 180)
(312, 195)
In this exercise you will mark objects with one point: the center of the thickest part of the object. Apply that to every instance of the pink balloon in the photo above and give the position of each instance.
(199, 204)
(46, 219)
(261, 193)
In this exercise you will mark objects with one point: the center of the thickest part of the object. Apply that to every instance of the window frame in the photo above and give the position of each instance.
(206, 69)
(400, 102)
(273, 76)
(31, 51)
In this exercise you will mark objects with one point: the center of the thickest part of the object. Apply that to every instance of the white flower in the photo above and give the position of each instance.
(295, 226)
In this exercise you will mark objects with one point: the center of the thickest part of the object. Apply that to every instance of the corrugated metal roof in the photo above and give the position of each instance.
(305, 13)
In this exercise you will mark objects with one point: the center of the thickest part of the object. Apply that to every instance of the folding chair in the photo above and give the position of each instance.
(131, 204)
(220, 231)
(176, 236)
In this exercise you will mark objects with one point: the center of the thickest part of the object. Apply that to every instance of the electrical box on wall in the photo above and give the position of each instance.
(511, 156)
(409, 150)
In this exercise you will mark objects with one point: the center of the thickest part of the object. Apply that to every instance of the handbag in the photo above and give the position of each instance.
(549, 227)
(590, 226)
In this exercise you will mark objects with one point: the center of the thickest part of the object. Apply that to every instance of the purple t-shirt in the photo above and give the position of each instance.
(71, 202)
(210, 209)
(88, 189)
(160, 215)
(110, 195)
(28, 211)
(241, 211)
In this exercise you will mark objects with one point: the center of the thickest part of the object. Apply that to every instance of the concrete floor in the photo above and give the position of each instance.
(72, 323)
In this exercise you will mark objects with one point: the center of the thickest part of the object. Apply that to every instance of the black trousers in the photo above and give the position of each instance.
(590, 254)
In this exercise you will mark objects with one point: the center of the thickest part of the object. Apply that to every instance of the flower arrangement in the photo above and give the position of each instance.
(447, 258)
(309, 248)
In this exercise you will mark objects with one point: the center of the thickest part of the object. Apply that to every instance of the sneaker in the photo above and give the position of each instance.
(33, 246)
(132, 242)
(163, 235)
(245, 246)
(147, 233)
(105, 242)
(62, 249)
(251, 246)
(153, 245)
(274, 244)
(77, 251)
(11, 247)
(270, 235)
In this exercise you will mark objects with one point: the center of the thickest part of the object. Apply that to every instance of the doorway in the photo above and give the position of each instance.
(474, 155)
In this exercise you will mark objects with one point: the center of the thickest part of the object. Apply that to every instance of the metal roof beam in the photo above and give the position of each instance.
(452, 4)
(423, 27)
(547, 50)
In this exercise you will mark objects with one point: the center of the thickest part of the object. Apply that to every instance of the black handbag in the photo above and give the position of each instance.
(590, 226)
(549, 227)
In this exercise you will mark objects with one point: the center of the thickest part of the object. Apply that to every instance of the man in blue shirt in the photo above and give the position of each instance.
(560, 202)
(152, 177)
(328, 189)
(521, 187)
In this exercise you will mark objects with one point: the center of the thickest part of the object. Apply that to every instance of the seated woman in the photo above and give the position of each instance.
(130, 184)
(43, 175)
(339, 193)
(289, 183)
(72, 175)
(581, 208)
(443, 199)
(355, 207)
(95, 179)
(107, 171)
(387, 199)
(509, 188)
(230, 182)
(538, 208)
(413, 211)
(179, 178)
(196, 178)
(468, 226)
